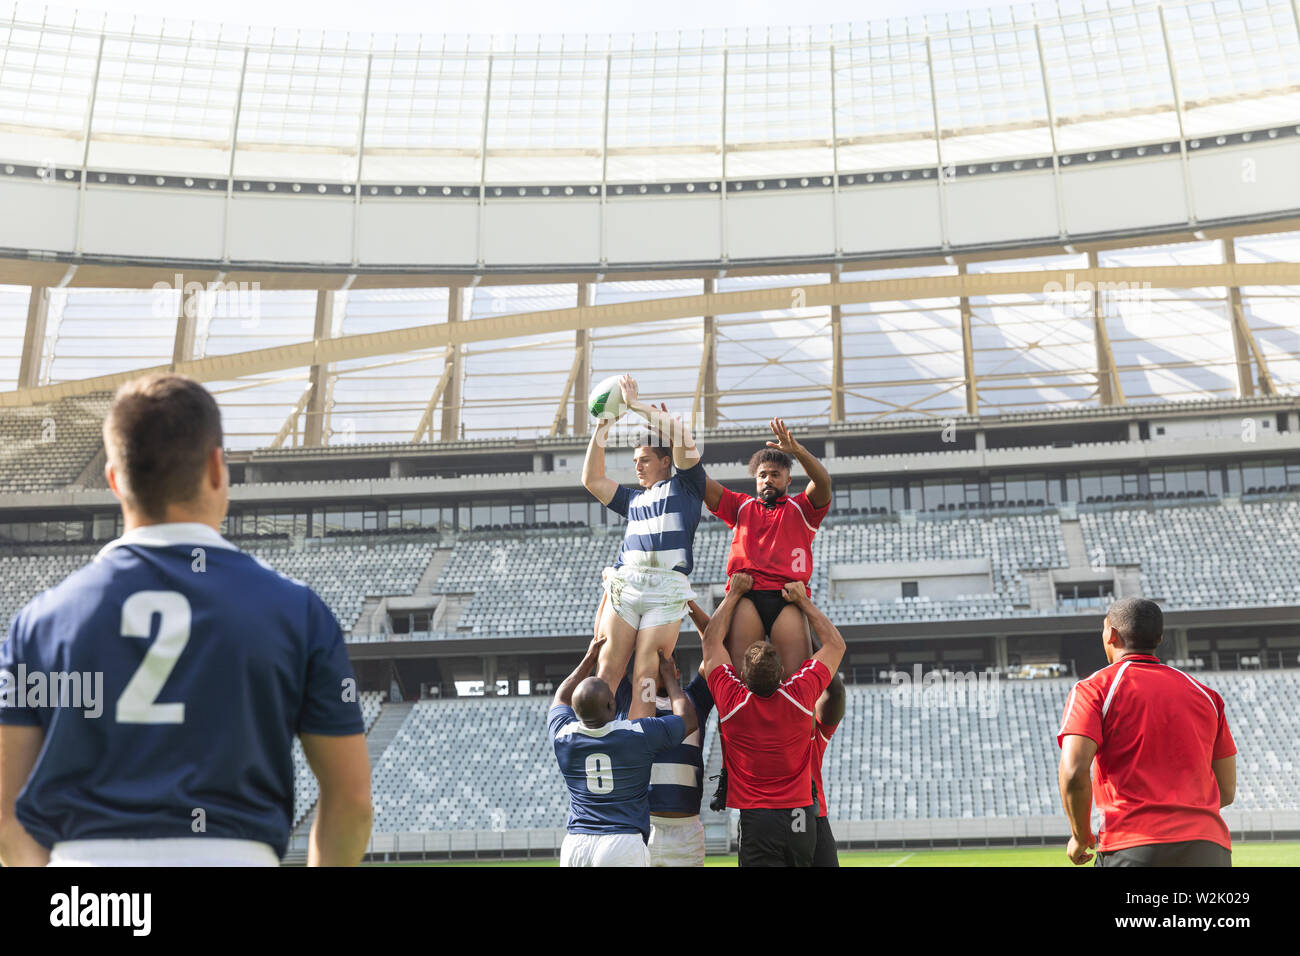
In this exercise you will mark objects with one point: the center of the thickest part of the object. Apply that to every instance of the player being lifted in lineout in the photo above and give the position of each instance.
(772, 543)
(648, 589)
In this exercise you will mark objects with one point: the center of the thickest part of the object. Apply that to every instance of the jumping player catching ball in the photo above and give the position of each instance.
(648, 589)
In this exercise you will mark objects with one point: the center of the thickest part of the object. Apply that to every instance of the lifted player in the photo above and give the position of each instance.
(648, 589)
(773, 544)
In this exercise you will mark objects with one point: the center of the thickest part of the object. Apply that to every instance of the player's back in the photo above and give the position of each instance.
(607, 769)
(211, 663)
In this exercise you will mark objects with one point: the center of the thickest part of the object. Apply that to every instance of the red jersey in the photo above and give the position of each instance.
(771, 544)
(1156, 731)
(820, 738)
(767, 741)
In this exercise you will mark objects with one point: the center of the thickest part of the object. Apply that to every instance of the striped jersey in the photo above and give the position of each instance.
(677, 777)
(607, 769)
(1157, 732)
(661, 521)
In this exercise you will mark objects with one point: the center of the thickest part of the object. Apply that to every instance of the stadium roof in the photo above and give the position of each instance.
(1025, 80)
(137, 94)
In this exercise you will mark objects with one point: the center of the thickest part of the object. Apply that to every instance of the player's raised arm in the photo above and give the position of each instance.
(682, 705)
(344, 814)
(715, 635)
(594, 478)
(832, 649)
(671, 428)
(818, 489)
(19, 747)
(564, 693)
(1075, 782)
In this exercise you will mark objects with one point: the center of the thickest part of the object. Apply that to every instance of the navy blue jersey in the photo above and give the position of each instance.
(661, 521)
(607, 769)
(677, 778)
(210, 661)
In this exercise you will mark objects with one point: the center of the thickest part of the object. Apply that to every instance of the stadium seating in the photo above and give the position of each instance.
(1197, 556)
(486, 763)
(344, 574)
(46, 447)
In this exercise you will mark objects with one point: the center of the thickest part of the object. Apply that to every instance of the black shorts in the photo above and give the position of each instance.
(778, 837)
(769, 605)
(1186, 853)
(826, 854)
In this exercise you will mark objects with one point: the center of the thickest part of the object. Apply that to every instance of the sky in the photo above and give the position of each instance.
(526, 16)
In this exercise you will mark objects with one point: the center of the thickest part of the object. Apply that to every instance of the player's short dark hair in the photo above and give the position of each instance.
(659, 450)
(158, 434)
(761, 669)
(770, 455)
(1140, 621)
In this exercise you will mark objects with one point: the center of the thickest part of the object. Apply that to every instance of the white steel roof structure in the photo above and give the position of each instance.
(191, 124)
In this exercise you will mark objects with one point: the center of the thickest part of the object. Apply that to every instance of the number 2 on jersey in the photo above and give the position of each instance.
(138, 703)
(600, 774)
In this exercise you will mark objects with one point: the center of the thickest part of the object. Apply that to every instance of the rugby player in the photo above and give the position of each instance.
(648, 589)
(606, 763)
(766, 720)
(677, 778)
(211, 663)
(772, 543)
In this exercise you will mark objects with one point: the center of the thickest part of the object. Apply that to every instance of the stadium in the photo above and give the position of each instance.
(1025, 279)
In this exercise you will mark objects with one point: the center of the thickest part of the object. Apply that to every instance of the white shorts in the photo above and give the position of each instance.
(676, 841)
(181, 851)
(604, 849)
(648, 597)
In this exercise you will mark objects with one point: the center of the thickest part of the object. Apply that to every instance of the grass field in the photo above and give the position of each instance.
(1243, 854)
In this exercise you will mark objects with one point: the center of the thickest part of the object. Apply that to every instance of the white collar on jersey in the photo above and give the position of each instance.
(166, 535)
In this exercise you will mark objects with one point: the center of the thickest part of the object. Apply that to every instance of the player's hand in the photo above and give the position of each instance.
(740, 582)
(593, 649)
(1079, 853)
(794, 592)
(668, 667)
(784, 440)
(627, 385)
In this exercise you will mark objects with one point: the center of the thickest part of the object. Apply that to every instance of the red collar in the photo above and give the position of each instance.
(1150, 658)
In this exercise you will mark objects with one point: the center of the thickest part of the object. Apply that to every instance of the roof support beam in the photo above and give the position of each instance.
(453, 335)
(425, 426)
(290, 426)
(558, 424)
(582, 380)
(1109, 389)
(706, 391)
(454, 365)
(968, 352)
(837, 361)
(315, 428)
(38, 310)
(1245, 347)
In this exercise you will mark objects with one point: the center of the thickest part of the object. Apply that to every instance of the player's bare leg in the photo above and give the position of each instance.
(791, 640)
(746, 629)
(645, 666)
(620, 642)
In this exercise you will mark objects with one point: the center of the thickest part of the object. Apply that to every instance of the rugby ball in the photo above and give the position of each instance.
(606, 400)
